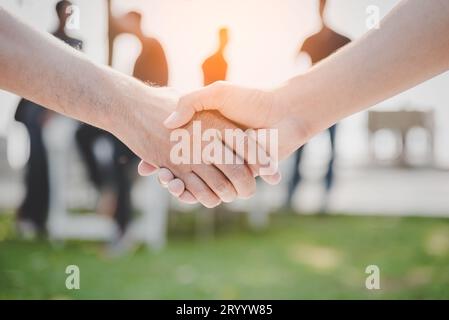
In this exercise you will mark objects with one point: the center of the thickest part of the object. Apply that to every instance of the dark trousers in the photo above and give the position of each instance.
(125, 166)
(115, 175)
(34, 207)
(296, 177)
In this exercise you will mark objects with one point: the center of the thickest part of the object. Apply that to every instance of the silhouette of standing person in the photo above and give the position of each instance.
(32, 213)
(150, 67)
(215, 68)
(319, 46)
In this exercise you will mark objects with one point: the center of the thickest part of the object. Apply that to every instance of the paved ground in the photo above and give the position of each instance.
(357, 191)
(382, 191)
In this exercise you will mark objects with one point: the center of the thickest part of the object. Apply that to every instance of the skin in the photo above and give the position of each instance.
(411, 46)
(69, 83)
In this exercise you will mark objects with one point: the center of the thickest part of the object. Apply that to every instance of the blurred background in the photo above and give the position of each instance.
(371, 191)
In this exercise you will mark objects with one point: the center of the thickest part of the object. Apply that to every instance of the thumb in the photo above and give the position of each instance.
(145, 169)
(181, 116)
(188, 105)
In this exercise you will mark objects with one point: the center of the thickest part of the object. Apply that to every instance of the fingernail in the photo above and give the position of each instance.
(228, 196)
(171, 118)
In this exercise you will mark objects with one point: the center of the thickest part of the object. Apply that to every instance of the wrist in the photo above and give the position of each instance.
(304, 104)
(295, 126)
(131, 104)
(137, 118)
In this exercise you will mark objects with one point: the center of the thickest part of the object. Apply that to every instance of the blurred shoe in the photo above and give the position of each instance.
(324, 208)
(27, 229)
(288, 204)
(121, 244)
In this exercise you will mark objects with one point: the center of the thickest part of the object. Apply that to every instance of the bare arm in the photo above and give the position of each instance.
(42, 69)
(411, 46)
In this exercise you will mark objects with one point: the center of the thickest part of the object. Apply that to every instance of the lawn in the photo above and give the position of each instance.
(297, 257)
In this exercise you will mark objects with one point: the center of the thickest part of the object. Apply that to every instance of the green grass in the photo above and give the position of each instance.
(297, 257)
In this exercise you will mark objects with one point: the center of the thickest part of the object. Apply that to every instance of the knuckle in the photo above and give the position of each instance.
(218, 87)
(189, 101)
(218, 84)
(234, 173)
(184, 101)
(222, 186)
(240, 175)
(255, 170)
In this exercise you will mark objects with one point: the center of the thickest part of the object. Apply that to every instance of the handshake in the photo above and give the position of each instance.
(210, 145)
(203, 155)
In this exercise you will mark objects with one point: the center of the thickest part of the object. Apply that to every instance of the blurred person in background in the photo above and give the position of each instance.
(150, 67)
(114, 179)
(215, 68)
(318, 47)
(32, 213)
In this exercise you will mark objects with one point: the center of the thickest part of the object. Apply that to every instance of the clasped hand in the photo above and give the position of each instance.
(225, 107)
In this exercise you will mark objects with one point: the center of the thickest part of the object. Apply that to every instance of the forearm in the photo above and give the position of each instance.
(411, 46)
(42, 69)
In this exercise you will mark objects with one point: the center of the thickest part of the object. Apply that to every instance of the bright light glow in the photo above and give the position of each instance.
(263, 40)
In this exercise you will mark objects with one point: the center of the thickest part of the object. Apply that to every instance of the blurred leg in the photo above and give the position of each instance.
(296, 177)
(35, 204)
(330, 168)
(86, 136)
(124, 162)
